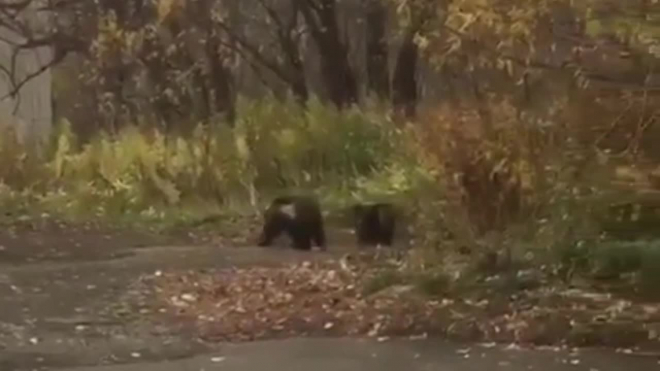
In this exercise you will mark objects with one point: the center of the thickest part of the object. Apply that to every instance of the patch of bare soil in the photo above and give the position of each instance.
(51, 239)
(326, 298)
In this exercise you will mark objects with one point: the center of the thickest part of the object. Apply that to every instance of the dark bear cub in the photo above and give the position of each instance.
(298, 216)
(375, 224)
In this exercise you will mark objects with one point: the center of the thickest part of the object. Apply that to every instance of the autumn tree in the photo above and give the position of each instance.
(178, 62)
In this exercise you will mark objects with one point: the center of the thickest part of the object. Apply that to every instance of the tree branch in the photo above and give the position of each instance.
(591, 75)
(17, 86)
(254, 52)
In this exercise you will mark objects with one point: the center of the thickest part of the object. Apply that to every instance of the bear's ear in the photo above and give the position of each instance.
(288, 210)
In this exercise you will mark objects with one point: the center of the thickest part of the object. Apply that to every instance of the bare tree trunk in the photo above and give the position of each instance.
(377, 68)
(286, 30)
(321, 18)
(290, 47)
(222, 97)
(221, 81)
(404, 81)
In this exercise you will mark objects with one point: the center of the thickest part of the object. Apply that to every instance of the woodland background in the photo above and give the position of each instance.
(521, 128)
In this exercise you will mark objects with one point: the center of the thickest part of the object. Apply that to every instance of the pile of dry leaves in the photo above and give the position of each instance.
(327, 299)
(306, 298)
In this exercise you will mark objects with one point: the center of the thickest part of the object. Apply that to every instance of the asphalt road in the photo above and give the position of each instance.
(400, 355)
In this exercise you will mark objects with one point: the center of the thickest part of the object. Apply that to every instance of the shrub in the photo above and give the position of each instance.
(273, 146)
(508, 181)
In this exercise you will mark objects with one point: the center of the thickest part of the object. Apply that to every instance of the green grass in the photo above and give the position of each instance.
(139, 175)
(222, 177)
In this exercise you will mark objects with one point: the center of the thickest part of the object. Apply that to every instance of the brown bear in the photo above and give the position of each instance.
(300, 217)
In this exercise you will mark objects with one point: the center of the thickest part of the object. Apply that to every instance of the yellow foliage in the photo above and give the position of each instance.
(486, 158)
(167, 7)
(273, 145)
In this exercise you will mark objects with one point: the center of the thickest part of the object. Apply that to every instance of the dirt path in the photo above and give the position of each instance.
(370, 355)
(63, 295)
